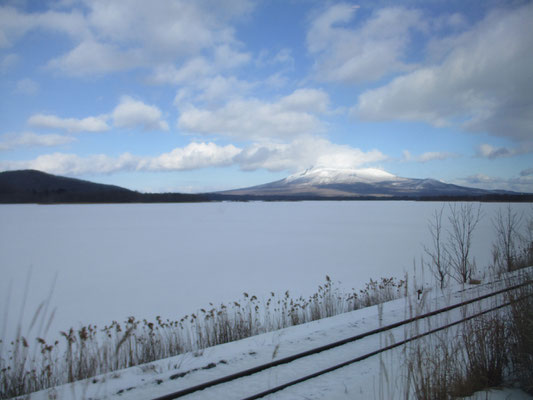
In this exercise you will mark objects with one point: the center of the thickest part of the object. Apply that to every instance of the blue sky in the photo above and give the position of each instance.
(208, 95)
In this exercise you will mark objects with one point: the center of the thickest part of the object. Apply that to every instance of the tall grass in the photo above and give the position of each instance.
(520, 337)
(491, 350)
(90, 350)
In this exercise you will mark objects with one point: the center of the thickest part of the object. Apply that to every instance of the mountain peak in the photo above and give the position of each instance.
(325, 175)
(346, 183)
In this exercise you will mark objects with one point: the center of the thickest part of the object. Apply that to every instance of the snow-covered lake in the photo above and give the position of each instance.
(112, 261)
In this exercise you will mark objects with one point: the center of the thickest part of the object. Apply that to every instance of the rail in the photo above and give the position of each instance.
(286, 360)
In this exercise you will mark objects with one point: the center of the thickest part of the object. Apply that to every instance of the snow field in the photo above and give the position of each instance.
(375, 378)
(116, 261)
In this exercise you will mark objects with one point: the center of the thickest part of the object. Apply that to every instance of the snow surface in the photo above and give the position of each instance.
(378, 377)
(113, 261)
(324, 175)
(500, 394)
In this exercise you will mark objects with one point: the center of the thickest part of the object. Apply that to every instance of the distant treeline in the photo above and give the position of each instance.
(29, 186)
(58, 196)
(495, 198)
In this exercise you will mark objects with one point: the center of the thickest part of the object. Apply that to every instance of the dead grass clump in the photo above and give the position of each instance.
(520, 335)
(492, 350)
(88, 351)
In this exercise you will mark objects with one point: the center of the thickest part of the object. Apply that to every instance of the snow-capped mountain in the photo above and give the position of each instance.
(325, 176)
(322, 182)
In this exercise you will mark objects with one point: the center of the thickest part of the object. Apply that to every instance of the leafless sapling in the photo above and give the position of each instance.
(463, 219)
(439, 263)
(505, 250)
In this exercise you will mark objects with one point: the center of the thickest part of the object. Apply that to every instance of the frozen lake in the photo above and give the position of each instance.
(112, 261)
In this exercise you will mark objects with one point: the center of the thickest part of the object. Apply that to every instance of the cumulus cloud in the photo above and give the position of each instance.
(131, 113)
(14, 24)
(30, 139)
(306, 100)
(428, 156)
(93, 58)
(303, 153)
(284, 56)
(165, 32)
(167, 28)
(226, 57)
(297, 155)
(484, 81)
(27, 86)
(8, 61)
(89, 124)
(192, 156)
(200, 79)
(522, 183)
(290, 116)
(72, 164)
(219, 88)
(192, 70)
(212, 90)
(527, 172)
(488, 151)
(368, 52)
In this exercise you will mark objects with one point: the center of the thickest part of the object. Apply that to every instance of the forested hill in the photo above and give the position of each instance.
(30, 186)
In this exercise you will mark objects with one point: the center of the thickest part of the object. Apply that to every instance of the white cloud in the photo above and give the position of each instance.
(131, 113)
(30, 139)
(306, 100)
(27, 86)
(14, 24)
(523, 183)
(177, 28)
(284, 56)
(297, 155)
(527, 172)
(303, 153)
(368, 52)
(428, 156)
(199, 81)
(226, 57)
(254, 119)
(192, 70)
(163, 32)
(93, 58)
(488, 151)
(89, 124)
(72, 164)
(192, 156)
(219, 88)
(8, 61)
(484, 81)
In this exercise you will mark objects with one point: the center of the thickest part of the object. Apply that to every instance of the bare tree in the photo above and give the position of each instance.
(439, 264)
(505, 250)
(528, 240)
(463, 221)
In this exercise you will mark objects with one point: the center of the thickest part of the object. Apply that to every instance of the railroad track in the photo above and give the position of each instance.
(338, 344)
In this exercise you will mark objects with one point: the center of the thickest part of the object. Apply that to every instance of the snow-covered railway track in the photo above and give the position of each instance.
(292, 360)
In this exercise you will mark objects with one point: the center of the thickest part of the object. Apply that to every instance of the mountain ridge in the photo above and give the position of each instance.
(32, 186)
(326, 183)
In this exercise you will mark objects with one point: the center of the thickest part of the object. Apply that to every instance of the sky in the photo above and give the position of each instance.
(194, 96)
